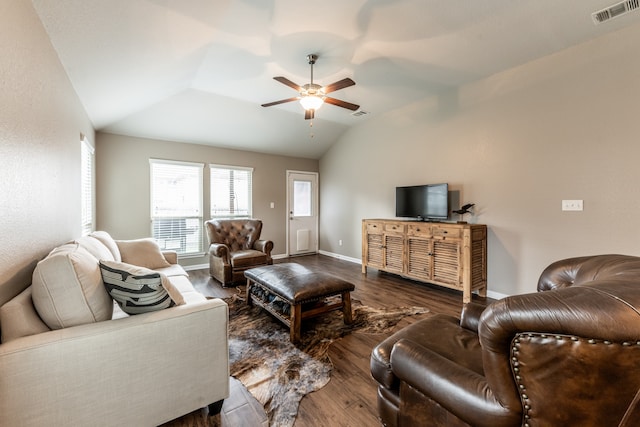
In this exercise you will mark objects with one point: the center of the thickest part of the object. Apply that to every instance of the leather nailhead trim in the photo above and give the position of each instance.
(516, 369)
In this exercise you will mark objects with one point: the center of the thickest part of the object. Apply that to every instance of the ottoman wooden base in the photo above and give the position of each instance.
(300, 288)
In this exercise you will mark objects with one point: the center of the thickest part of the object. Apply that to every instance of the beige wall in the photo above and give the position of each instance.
(40, 124)
(123, 184)
(516, 144)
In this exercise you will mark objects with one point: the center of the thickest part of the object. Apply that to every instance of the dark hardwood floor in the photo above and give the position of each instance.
(350, 397)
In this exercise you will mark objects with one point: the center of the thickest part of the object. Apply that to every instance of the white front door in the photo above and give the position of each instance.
(302, 199)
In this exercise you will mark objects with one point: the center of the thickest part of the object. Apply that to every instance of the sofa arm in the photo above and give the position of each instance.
(470, 316)
(459, 390)
(170, 256)
(220, 250)
(139, 370)
(265, 246)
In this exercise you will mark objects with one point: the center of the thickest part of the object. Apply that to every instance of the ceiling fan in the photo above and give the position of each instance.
(312, 95)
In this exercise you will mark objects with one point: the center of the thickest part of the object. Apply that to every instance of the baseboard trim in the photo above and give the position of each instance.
(342, 257)
(496, 295)
(195, 267)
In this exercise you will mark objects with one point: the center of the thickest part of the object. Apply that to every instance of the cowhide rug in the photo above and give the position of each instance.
(279, 374)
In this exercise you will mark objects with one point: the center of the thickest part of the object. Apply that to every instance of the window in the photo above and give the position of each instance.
(301, 198)
(176, 205)
(86, 185)
(231, 192)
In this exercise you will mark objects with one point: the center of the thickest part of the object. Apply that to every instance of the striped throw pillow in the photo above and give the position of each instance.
(135, 289)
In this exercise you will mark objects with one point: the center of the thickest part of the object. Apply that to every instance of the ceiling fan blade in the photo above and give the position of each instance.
(286, 81)
(308, 114)
(339, 85)
(282, 101)
(343, 104)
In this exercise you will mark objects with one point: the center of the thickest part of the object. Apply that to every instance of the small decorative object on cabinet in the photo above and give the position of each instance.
(445, 254)
(464, 210)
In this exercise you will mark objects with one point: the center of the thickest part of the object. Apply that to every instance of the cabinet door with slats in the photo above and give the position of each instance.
(393, 252)
(446, 262)
(374, 250)
(419, 258)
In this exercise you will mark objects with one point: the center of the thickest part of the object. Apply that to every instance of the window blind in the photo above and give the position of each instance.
(86, 185)
(231, 191)
(176, 205)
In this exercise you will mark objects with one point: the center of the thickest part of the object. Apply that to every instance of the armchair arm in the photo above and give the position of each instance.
(470, 316)
(459, 390)
(220, 250)
(265, 246)
(561, 274)
(139, 370)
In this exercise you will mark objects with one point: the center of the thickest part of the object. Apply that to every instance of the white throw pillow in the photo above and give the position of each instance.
(67, 288)
(138, 289)
(108, 241)
(142, 252)
(95, 247)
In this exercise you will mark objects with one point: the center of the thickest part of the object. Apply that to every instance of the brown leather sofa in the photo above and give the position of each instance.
(568, 355)
(235, 246)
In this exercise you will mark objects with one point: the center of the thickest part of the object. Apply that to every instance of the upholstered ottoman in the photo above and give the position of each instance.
(303, 291)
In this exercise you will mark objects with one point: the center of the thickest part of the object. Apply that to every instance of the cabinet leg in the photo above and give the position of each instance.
(483, 291)
(466, 295)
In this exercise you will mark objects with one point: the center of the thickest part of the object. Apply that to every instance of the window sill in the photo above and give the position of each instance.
(191, 255)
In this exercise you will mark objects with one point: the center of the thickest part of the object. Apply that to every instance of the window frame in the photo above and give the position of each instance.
(249, 190)
(199, 217)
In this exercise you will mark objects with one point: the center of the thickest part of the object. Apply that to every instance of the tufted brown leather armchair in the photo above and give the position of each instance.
(235, 247)
(568, 355)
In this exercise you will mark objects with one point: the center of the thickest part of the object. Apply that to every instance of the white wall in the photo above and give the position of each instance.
(516, 144)
(40, 124)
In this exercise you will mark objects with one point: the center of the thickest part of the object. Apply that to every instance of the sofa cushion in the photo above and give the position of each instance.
(172, 270)
(142, 252)
(188, 292)
(108, 241)
(95, 247)
(138, 289)
(19, 318)
(67, 288)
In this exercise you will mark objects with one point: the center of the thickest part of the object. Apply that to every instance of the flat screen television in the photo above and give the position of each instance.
(424, 202)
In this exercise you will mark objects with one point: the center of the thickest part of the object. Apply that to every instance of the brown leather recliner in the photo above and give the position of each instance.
(568, 356)
(236, 247)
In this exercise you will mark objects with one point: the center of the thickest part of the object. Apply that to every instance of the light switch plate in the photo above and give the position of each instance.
(572, 205)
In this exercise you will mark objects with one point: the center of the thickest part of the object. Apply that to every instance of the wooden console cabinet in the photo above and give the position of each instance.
(446, 254)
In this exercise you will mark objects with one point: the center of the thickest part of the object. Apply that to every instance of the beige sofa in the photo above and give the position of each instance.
(70, 356)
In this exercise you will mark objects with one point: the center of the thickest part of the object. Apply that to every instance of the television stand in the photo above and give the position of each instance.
(445, 254)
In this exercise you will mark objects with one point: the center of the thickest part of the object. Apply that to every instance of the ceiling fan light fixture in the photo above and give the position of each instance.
(311, 102)
(312, 95)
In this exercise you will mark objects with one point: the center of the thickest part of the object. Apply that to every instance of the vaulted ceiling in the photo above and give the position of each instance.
(198, 70)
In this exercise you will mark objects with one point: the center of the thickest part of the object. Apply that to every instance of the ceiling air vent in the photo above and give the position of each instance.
(614, 11)
(364, 113)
